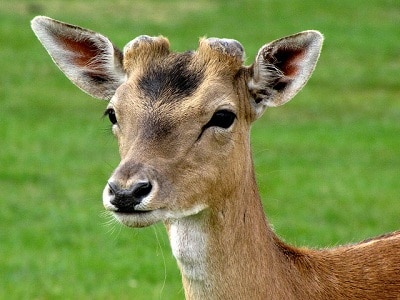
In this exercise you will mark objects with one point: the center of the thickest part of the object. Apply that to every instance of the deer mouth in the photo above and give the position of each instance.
(130, 211)
(139, 218)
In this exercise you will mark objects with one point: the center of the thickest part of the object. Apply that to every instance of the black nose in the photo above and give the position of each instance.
(125, 200)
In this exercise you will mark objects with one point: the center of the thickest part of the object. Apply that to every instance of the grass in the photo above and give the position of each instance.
(328, 163)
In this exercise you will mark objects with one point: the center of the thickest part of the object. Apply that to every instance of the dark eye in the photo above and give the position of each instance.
(221, 118)
(111, 115)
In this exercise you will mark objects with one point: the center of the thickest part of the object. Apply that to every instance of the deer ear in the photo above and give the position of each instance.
(87, 58)
(282, 68)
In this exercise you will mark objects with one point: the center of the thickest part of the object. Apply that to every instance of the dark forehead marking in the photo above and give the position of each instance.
(170, 79)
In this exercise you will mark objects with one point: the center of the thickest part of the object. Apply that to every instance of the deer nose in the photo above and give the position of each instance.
(125, 200)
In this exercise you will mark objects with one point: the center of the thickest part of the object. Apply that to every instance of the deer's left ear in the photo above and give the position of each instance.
(282, 68)
(87, 58)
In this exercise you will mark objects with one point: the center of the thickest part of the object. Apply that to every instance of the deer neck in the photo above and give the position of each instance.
(225, 250)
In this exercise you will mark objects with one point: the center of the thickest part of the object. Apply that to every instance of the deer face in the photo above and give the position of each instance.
(181, 119)
(177, 119)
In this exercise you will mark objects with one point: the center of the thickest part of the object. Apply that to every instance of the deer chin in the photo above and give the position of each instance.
(141, 218)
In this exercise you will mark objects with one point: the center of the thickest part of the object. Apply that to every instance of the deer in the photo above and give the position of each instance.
(182, 121)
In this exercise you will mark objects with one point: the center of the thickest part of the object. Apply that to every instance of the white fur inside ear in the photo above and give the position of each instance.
(265, 76)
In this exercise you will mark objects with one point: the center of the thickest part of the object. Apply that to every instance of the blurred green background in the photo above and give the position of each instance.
(328, 163)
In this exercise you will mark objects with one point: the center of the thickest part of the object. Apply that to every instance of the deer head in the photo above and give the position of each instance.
(182, 120)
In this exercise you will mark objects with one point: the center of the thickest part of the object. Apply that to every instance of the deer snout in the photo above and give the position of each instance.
(126, 200)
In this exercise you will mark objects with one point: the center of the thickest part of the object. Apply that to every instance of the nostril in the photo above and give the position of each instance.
(141, 190)
(125, 200)
(112, 188)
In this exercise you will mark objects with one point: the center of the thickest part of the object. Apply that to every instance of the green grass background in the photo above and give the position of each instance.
(328, 163)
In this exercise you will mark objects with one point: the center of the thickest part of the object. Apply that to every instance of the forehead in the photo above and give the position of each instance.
(171, 78)
(159, 75)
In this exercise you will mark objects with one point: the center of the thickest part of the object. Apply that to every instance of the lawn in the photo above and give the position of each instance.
(327, 163)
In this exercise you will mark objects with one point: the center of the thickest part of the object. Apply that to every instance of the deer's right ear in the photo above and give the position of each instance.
(87, 58)
(282, 68)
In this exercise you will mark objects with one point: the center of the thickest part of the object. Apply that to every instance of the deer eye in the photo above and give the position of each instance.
(221, 118)
(111, 115)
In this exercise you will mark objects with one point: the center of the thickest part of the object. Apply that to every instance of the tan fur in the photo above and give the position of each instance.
(202, 180)
(143, 49)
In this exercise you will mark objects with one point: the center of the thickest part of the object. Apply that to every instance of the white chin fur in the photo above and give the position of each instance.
(141, 219)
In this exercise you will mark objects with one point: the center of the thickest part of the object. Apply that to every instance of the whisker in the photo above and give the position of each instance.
(163, 258)
(113, 226)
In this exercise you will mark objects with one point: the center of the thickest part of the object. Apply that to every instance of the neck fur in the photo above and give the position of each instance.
(227, 246)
